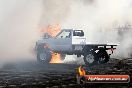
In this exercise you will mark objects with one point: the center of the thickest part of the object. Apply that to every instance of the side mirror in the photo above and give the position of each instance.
(61, 36)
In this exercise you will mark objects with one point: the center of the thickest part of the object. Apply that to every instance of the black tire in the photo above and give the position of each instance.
(43, 55)
(103, 56)
(90, 58)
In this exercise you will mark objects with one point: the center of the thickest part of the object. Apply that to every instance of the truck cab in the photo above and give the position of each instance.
(64, 40)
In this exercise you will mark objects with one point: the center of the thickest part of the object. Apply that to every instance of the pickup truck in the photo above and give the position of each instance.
(72, 42)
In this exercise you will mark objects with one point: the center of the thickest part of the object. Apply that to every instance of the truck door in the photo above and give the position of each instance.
(64, 40)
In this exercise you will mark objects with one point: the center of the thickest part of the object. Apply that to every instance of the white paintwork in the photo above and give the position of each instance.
(78, 40)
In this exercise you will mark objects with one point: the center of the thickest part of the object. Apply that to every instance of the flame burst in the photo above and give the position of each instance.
(56, 58)
(81, 71)
(53, 30)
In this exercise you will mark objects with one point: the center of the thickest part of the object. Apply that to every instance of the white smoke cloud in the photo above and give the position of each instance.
(55, 11)
(99, 17)
(20, 21)
(18, 28)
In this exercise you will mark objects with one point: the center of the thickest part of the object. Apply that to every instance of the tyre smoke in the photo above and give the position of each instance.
(21, 21)
(101, 21)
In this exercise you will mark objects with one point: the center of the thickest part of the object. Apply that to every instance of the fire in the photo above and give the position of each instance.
(81, 71)
(53, 30)
(56, 58)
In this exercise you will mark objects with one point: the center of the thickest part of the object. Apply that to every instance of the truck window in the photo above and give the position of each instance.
(64, 34)
(78, 33)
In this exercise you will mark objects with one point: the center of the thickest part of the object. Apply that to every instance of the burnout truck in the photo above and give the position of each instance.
(72, 42)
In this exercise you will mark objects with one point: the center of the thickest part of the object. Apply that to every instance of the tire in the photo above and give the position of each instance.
(103, 56)
(43, 55)
(90, 58)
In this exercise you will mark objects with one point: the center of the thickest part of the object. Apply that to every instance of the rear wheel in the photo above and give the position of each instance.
(90, 58)
(43, 55)
(103, 56)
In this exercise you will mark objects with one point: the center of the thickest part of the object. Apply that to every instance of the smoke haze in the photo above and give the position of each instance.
(18, 23)
(100, 20)
(21, 21)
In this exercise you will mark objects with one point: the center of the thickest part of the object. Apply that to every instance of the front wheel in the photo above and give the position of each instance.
(44, 55)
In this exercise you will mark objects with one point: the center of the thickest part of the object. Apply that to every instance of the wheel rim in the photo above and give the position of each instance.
(42, 56)
(90, 58)
(101, 59)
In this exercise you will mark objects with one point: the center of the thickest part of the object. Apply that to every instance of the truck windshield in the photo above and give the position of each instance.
(64, 34)
(78, 33)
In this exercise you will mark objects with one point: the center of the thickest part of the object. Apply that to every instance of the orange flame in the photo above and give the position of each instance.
(56, 58)
(81, 71)
(53, 30)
